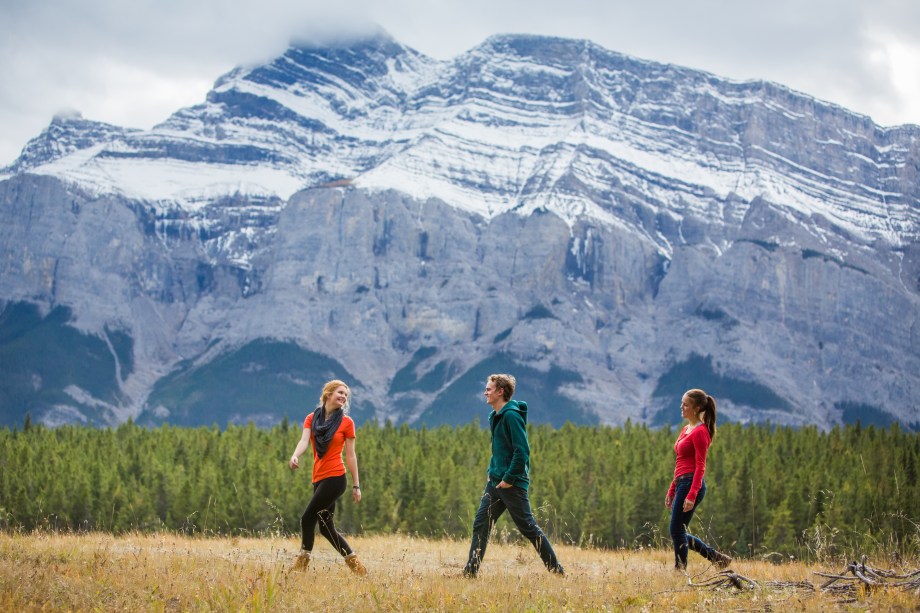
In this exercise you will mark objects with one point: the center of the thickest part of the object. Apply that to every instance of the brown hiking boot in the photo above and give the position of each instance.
(355, 565)
(303, 561)
(720, 559)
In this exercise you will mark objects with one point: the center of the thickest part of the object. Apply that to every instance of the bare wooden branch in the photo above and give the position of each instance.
(844, 585)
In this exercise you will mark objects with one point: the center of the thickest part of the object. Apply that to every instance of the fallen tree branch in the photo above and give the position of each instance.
(727, 578)
(845, 585)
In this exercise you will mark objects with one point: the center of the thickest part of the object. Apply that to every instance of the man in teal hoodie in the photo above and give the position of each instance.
(509, 478)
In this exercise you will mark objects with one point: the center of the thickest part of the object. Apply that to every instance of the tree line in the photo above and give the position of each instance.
(773, 491)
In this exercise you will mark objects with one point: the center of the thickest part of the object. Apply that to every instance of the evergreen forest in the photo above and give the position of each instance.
(772, 491)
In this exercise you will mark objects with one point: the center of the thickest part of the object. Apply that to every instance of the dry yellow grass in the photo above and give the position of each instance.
(166, 572)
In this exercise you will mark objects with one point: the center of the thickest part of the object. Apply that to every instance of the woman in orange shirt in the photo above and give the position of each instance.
(329, 430)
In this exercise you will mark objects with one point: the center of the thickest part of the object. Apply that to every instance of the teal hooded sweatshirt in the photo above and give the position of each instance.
(510, 450)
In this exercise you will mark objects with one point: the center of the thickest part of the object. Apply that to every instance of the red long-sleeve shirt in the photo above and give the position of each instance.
(691, 448)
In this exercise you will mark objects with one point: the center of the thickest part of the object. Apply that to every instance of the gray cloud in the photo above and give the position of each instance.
(135, 63)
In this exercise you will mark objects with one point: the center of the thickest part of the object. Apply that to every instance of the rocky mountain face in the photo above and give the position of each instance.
(612, 231)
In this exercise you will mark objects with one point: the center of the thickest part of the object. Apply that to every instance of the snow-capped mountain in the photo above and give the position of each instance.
(613, 229)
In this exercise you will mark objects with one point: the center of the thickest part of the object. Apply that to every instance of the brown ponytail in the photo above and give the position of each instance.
(706, 405)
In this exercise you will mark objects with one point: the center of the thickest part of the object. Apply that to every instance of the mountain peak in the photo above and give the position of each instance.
(67, 133)
(370, 35)
(510, 125)
(65, 115)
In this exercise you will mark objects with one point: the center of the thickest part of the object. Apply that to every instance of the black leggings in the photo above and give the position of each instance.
(321, 509)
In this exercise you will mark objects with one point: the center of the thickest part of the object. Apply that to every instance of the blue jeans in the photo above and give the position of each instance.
(494, 502)
(683, 541)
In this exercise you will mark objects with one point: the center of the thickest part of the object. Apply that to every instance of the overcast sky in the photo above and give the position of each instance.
(134, 62)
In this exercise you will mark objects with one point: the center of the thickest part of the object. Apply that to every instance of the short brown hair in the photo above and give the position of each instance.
(506, 383)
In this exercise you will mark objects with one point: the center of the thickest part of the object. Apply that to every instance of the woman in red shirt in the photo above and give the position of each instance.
(688, 487)
(329, 430)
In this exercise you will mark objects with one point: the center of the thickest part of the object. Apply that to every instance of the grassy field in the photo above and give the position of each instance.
(167, 572)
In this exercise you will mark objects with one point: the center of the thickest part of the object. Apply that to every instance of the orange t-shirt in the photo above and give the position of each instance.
(331, 464)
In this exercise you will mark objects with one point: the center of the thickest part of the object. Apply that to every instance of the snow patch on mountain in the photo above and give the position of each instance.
(190, 185)
(501, 128)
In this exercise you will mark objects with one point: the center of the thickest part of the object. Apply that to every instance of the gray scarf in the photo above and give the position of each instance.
(324, 429)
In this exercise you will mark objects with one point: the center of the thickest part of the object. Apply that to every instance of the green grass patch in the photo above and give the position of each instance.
(462, 402)
(406, 378)
(41, 356)
(697, 372)
(264, 379)
(865, 414)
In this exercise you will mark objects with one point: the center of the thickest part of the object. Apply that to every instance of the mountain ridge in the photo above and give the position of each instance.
(359, 191)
